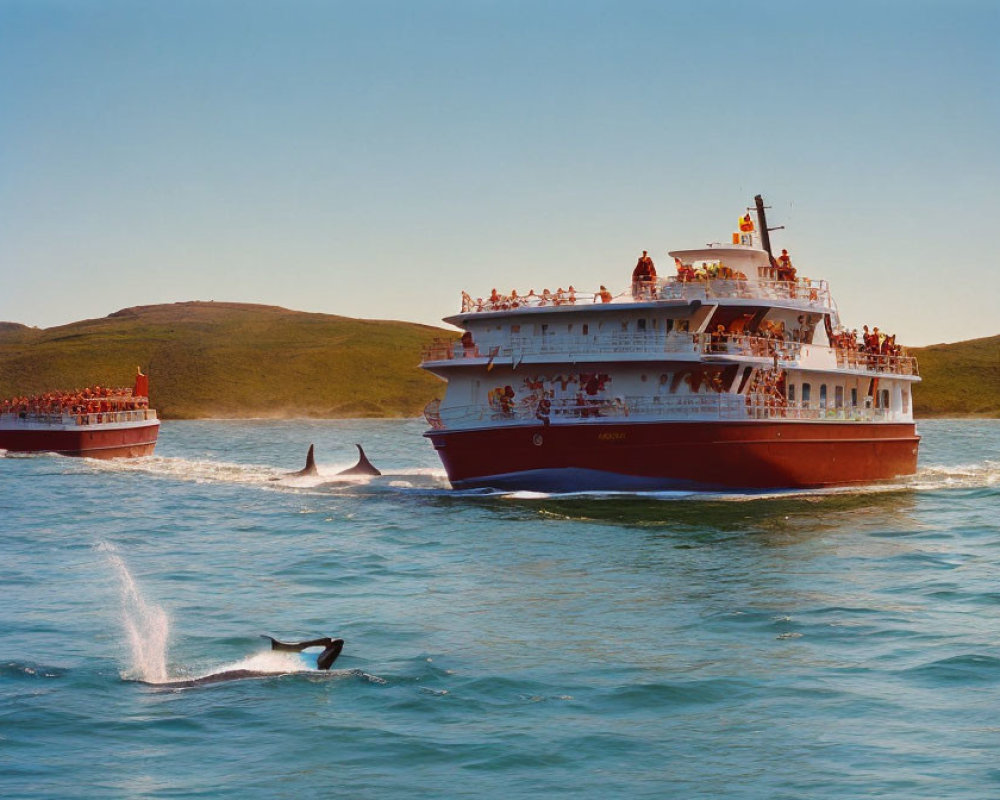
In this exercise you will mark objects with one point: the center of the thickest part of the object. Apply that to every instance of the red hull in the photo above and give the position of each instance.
(691, 455)
(90, 441)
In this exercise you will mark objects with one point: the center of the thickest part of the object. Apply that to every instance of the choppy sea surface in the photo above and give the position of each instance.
(831, 644)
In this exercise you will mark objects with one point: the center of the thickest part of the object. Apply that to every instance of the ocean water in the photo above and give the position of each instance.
(832, 644)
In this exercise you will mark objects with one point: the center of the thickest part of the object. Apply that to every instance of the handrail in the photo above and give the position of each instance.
(708, 407)
(57, 418)
(813, 293)
(788, 352)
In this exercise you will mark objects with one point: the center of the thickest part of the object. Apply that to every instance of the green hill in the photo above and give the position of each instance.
(231, 360)
(960, 379)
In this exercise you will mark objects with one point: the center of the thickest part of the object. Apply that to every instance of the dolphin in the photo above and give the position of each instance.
(331, 649)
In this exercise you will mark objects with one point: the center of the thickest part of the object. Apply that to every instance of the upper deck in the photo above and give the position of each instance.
(739, 276)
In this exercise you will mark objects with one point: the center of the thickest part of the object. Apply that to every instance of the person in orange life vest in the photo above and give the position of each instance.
(786, 271)
(644, 274)
(604, 294)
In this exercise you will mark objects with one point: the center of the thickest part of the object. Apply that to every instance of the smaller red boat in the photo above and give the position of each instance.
(96, 422)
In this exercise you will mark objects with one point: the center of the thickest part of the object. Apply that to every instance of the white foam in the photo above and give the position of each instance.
(269, 662)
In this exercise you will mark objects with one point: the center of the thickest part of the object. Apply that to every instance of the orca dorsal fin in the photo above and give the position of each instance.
(310, 468)
(363, 467)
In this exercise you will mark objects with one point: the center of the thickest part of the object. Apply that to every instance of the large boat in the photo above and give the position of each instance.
(735, 372)
(96, 422)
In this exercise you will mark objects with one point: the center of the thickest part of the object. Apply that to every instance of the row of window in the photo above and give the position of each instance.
(881, 396)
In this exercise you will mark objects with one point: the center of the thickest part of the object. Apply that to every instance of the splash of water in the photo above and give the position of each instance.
(147, 626)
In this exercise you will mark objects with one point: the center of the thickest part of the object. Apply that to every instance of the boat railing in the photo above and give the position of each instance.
(68, 419)
(788, 351)
(432, 413)
(809, 292)
(875, 362)
(704, 407)
(805, 291)
(547, 300)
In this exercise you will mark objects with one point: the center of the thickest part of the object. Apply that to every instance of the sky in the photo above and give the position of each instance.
(375, 159)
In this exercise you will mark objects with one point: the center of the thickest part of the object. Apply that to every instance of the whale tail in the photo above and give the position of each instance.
(331, 648)
(363, 467)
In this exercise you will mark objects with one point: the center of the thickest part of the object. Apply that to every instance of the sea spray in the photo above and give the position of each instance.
(146, 625)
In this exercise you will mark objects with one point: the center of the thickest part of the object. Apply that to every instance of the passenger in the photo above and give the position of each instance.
(718, 339)
(785, 269)
(571, 295)
(604, 294)
(643, 276)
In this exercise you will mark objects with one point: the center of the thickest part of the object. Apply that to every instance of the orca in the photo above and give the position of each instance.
(363, 467)
(331, 649)
(310, 467)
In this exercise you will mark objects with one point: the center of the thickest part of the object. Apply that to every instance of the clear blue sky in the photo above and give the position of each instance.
(373, 159)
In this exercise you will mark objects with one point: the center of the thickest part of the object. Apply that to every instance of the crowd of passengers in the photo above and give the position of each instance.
(92, 400)
(504, 302)
(869, 345)
(770, 334)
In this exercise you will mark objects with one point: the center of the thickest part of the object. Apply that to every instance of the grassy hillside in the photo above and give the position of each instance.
(231, 360)
(959, 379)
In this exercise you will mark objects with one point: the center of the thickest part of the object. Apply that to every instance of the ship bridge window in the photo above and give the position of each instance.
(640, 325)
(883, 398)
(586, 329)
(624, 324)
(838, 396)
(515, 328)
(854, 396)
(668, 325)
(806, 392)
(791, 393)
(822, 396)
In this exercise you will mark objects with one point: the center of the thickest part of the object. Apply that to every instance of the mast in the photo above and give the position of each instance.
(765, 236)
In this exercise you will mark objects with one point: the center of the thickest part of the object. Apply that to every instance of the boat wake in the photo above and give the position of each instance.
(327, 477)
(434, 481)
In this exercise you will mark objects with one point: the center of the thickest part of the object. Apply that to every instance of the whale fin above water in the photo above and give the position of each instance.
(363, 467)
(310, 467)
